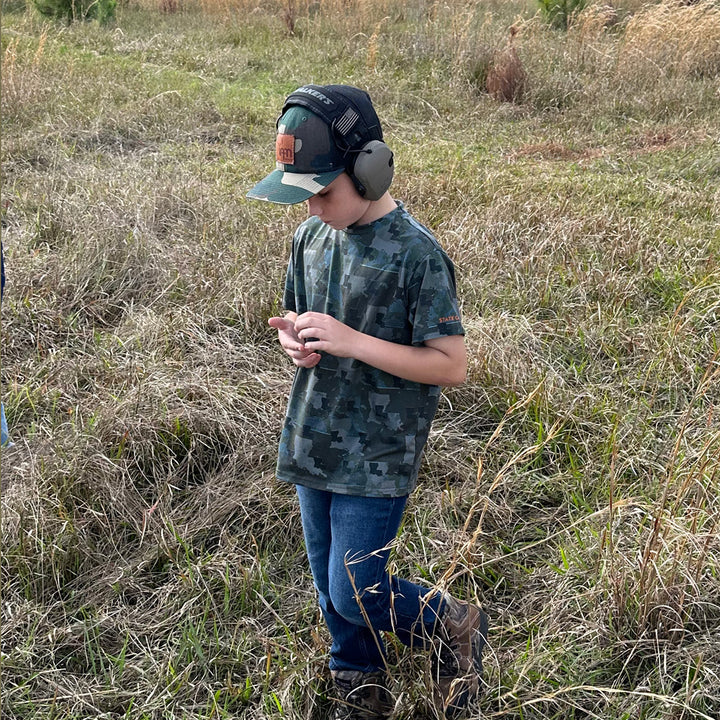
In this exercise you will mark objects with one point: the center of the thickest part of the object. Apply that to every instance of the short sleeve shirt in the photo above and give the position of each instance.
(351, 428)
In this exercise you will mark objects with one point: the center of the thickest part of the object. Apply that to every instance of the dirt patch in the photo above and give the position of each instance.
(554, 151)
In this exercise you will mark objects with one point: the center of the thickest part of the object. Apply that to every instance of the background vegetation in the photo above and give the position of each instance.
(152, 567)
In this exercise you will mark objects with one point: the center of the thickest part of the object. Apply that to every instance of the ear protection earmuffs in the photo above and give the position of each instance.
(355, 126)
(372, 170)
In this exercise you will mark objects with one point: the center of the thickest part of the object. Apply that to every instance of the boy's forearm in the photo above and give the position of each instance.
(440, 361)
(434, 363)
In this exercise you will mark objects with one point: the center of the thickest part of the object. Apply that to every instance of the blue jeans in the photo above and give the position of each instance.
(5, 439)
(347, 539)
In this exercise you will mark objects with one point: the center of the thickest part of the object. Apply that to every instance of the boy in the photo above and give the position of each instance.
(374, 329)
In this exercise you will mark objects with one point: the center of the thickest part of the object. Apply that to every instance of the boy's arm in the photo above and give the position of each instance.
(441, 361)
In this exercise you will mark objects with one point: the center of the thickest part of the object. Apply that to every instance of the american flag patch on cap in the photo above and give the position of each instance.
(346, 122)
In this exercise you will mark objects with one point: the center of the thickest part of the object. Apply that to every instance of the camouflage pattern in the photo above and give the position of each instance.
(307, 159)
(313, 148)
(351, 428)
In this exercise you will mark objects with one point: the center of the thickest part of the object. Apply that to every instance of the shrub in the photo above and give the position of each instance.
(506, 78)
(101, 10)
(559, 12)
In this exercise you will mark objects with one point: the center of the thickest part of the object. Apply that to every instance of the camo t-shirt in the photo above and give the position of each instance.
(351, 428)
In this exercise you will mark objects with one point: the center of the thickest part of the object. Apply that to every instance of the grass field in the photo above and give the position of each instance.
(152, 567)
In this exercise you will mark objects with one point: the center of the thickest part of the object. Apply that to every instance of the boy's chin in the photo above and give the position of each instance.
(336, 226)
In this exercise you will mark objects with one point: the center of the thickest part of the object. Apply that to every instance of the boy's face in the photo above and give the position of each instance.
(339, 204)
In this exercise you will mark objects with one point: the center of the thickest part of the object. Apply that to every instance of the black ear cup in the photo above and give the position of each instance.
(372, 171)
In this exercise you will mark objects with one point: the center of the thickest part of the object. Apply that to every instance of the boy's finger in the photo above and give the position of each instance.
(309, 318)
(280, 323)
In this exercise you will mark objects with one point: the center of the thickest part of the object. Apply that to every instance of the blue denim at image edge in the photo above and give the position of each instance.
(5, 437)
(349, 535)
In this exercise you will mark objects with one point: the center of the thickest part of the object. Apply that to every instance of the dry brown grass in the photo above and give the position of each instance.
(672, 39)
(21, 77)
(506, 77)
(152, 567)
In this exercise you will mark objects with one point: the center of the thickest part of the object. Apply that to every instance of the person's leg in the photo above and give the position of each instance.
(348, 543)
(4, 435)
(347, 540)
(365, 595)
(361, 589)
(354, 646)
(5, 439)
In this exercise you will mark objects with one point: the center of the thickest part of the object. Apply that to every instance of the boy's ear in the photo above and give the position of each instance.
(373, 169)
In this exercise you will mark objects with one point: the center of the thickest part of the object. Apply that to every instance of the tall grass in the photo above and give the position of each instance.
(152, 567)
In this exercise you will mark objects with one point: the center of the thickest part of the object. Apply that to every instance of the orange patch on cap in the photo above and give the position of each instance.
(285, 149)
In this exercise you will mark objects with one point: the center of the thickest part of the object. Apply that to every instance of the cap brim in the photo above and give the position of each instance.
(287, 188)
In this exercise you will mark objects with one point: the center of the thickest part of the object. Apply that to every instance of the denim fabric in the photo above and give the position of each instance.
(347, 539)
(5, 437)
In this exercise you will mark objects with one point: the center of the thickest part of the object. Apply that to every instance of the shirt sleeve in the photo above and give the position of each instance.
(433, 309)
(289, 292)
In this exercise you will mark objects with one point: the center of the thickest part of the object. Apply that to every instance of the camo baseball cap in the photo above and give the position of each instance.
(307, 156)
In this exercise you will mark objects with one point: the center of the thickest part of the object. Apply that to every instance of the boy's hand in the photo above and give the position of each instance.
(323, 332)
(292, 344)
